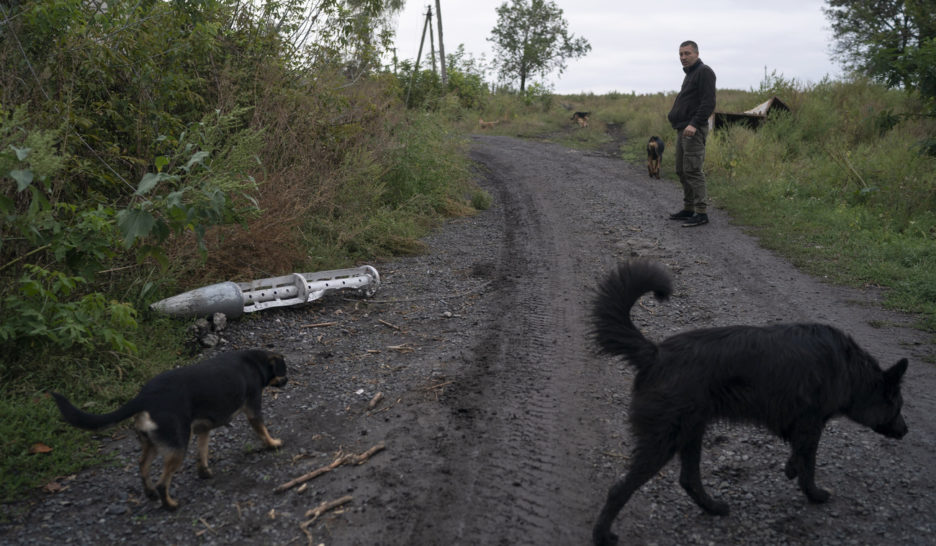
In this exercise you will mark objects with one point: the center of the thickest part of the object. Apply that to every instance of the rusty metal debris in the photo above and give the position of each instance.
(752, 118)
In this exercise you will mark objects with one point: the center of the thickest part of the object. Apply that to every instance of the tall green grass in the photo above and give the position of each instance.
(841, 186)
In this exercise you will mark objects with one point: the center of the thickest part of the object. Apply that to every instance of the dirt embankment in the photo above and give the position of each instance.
(501, 426)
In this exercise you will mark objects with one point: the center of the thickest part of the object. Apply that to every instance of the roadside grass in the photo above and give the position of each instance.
(37, 447)
(841, 186)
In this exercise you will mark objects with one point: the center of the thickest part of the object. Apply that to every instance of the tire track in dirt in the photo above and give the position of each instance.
(521, 472)
(543, 419)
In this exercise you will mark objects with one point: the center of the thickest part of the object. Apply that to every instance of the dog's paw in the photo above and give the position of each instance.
(790, 470)
(274, 442)
(151, 493)
(167, 502)
(717, 508)
(605, 539)
(204, 472)
(817, 495)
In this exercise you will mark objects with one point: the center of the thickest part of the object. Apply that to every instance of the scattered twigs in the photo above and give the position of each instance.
(208, 528)
(469, 292)
(326, 506)
(385, 408)
(318, 511)
(342, 459)
(843, 160)
(387, 324)
(318, 325)
(438, 388)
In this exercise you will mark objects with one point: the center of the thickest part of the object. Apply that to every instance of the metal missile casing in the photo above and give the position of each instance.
(234, 299)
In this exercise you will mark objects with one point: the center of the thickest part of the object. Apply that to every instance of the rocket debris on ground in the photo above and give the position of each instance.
(234, 299)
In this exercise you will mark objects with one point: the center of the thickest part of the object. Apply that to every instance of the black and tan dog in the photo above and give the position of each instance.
(581, 118)
(190, 399)
(789, 378)
(654, 156)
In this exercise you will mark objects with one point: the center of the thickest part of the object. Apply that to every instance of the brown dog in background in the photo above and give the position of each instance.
(581, 118)
(654, 156)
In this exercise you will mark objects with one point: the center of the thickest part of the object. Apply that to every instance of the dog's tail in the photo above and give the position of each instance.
(92, 421)
(616, 295)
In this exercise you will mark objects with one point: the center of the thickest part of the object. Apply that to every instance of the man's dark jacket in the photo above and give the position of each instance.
(696, 100)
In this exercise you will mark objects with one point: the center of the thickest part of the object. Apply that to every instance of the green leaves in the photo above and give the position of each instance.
(134, 224)
(42, 310)
(531, 37)
(149, 182)
(189, 198)
(891, 41)
(23, 178)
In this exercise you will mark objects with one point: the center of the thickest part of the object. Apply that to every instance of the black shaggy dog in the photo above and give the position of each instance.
(654, 156)
(790, 379)
(190, 400)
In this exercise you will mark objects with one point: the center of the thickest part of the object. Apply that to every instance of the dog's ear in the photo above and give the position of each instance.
(895, 373)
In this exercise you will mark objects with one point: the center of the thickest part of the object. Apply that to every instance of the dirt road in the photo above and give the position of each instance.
(500, 424)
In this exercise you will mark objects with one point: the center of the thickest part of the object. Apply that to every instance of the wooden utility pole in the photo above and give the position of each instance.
(431, 41)
(441, 44)
(418, 55)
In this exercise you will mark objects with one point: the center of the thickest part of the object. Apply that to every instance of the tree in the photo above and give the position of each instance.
(891, 41)
(531, 38)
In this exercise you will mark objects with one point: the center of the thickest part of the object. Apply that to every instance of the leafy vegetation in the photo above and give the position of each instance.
(148, 148)
(891, 41)
(532, 38)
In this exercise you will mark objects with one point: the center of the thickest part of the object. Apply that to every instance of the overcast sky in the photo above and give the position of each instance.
(635, 43)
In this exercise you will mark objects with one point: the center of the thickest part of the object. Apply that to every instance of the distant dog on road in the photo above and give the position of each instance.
(191, 399)
(654, 156)
(790, 379)
(581, 118)
(487, 124)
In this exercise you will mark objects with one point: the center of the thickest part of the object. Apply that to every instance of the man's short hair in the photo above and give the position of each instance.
(690, 43)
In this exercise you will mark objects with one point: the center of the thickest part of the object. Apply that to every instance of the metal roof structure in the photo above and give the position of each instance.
(752, 118)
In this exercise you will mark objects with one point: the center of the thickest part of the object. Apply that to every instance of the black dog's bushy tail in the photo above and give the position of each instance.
(613, 330)
(92, 421)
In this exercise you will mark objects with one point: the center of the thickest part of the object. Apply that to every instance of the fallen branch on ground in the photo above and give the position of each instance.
(318, 325)
(349, 458)
(326, 506)
(425, 298)
(318, 511)
(388, 325)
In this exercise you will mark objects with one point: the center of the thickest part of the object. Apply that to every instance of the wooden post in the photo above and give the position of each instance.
(441, 46)
(431, 40)
(418, 55)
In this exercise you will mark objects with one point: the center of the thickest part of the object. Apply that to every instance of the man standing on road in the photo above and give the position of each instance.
(689, 116)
